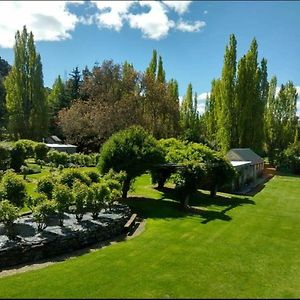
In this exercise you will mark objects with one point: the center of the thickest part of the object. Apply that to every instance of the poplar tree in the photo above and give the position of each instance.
(25, 98)
(226, 133)
(271, 126)
(56, 101)
(160, 72)
(280, 118)
(189, 117)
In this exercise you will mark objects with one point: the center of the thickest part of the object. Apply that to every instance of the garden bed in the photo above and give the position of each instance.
(31, 245)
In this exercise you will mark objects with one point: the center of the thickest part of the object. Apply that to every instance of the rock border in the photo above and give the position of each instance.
(48, 244)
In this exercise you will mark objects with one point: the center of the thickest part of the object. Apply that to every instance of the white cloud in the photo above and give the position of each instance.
(179, 6)
(203, 96)
(190, 26)
(154, 24)
(52, 20)
(112, 13)
(48, 20)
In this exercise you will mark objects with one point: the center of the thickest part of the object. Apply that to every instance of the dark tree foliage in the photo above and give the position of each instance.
(132, 150)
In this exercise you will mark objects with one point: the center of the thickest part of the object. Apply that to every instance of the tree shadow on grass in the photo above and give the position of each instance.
(169, 206)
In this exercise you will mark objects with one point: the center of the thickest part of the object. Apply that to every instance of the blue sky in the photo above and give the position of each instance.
(189, 35)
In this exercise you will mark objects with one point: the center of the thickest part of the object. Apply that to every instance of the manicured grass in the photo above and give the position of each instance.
(235, 247)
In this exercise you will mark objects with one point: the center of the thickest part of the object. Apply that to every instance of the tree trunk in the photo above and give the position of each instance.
(126, 186)
(213, 191)
(185, 201)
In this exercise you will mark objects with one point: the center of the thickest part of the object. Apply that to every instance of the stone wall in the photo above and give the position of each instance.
(29, 245)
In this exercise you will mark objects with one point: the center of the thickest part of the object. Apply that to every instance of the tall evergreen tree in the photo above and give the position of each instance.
(189, 117)
(151, 70)
(25, 99)
(72, 86)
(56, 101)
(161, 72)
(226, 133)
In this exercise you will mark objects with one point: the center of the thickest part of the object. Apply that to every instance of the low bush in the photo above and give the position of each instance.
(43, 211)
(46, 185)
(40, 151)
(28, 145)
(70, 175)
(18, 155)
(57, 158)
(13, 189)
(99, 197)
(81, 194)
(5, 157)
(93, 175)
(8, 214)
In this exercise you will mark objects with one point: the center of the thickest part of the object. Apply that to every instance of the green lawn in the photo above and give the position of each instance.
(236, 247)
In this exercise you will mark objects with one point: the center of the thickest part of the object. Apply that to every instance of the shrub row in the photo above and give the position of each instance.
(56, 158)
(73, 191)
(14, 156)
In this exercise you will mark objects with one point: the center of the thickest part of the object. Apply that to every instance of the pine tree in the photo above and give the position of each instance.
(25, 99)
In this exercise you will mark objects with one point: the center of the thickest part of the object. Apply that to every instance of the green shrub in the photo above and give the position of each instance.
(18, 154)
(57, 158)
(93, 175)
(8, 214)
(289, 159)
(99, 197)
(28, 146)
(5, 157)
(63, 198)
(43, 211)
(81, 194)
(40, 151)
(70, 175)
(45, 185)
(13, 189)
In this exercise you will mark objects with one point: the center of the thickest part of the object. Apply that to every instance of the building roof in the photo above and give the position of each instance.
(238, 163)
(61, 146)
(244, 154)
(53, 139)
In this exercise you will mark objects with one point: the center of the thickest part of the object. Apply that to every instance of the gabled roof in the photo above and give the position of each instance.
(244, 154)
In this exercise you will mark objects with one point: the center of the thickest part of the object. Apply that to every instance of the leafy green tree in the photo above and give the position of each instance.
(44, 209)
(63, 197)
(25, 98)
(40, 151)
(45, 185)
(13, 189)
(81, 195)
(100, 194)
(132, 150)
(18, 155)
(8, 214)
